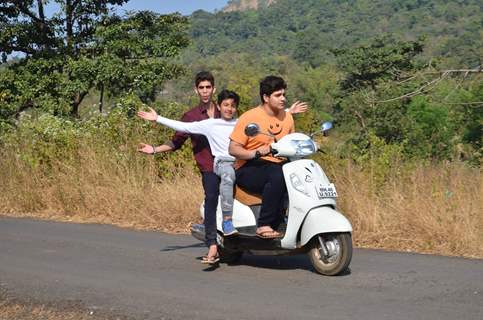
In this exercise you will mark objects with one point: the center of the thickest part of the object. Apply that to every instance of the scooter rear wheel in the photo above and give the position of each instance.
(339, 253)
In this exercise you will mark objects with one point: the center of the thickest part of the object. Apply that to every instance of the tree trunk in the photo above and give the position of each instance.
(101, 98)
(74, 111)
(27, 105)
(42, 26)
(69, 17)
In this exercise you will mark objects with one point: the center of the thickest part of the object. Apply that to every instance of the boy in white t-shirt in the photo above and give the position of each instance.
(217, 132)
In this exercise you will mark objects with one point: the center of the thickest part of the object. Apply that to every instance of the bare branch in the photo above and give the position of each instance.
(28, 13)
(75, 4)
(27, 105)
(431, 84)
(361, 119)
(466, 71)
(26, 50)
(40, 5)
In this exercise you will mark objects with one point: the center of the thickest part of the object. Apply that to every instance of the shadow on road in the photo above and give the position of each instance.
(173, 248)
(280, 263)
(294, 262)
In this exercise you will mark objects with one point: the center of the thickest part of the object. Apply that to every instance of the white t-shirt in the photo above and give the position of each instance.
(217, 131)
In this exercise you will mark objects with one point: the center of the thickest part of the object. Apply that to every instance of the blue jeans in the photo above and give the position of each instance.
(211, 184)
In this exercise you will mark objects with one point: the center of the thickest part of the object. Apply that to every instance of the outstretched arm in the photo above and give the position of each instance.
(196, 127)
(151, 115)
(151, 149)
(298, 107)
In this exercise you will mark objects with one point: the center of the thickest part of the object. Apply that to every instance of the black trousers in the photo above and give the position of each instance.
(211, 185)
(265, 178)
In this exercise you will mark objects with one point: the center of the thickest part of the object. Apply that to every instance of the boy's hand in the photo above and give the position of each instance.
(298, 107)
(151, 115)
(146, 148)
(264, 150)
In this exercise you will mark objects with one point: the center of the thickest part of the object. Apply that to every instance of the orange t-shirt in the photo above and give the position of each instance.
(276, 126)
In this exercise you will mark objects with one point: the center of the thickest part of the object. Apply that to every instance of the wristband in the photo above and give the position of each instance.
(154, 150)
(257, 155)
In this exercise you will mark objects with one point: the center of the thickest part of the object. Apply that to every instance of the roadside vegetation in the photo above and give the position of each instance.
(405, 152)
(15, 310)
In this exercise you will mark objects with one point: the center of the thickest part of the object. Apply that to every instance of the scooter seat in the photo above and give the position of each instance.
(247, 198)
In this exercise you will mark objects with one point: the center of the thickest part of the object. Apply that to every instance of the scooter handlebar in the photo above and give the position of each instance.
(273, 151)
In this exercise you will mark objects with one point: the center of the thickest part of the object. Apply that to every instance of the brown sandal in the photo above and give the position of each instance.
(269, 234)
(210, 260)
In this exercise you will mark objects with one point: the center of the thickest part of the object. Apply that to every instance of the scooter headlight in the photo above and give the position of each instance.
(304, 147)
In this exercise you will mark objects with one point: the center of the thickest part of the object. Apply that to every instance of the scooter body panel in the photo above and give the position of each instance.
(323, 220)
(242, 215)
(303, 178)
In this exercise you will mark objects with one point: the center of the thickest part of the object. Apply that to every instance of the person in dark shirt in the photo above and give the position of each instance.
(204, 88)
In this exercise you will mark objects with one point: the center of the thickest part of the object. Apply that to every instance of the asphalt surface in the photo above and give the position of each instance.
(150, 275)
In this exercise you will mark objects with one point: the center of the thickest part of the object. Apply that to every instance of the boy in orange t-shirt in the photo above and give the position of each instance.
(256, 170)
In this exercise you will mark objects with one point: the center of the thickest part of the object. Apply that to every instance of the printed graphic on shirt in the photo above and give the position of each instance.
(274, 129)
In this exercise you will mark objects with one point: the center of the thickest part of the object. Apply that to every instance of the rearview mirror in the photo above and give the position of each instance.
(252, 129)
(326, 126)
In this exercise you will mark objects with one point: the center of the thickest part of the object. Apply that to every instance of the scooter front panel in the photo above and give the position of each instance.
(303, 178)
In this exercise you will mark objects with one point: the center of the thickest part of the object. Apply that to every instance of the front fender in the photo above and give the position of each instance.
(323, 220)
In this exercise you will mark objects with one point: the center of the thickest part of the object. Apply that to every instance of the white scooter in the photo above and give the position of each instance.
(313, 224)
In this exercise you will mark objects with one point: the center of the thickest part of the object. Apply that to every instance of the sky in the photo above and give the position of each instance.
(185, 7)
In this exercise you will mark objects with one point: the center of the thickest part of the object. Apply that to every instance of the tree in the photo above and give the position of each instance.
(81, 47)
(371, 73)
(384, 58)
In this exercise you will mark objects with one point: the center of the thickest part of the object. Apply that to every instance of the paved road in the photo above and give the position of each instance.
(149, 275)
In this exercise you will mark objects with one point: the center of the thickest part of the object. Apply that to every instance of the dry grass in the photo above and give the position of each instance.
(428, 209)
(100, 189)
(14, 310)
(424, 208)
(20, 312)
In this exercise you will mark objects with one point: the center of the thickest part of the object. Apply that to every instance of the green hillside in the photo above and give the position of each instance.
(374, 66)
(307, 30)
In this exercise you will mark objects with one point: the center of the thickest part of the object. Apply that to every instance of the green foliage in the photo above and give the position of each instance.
(134, 52)
(84, 47)
(431, 129)
(381, 159)
(308, 30)
(334, 59)
(26, 28)
(42, 140)
(384, 58)
(361, 63)
(382, 95)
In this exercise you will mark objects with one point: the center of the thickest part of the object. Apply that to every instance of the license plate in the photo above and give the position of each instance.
(327, 191)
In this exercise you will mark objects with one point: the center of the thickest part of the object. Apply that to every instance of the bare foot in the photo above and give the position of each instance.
(212, 251)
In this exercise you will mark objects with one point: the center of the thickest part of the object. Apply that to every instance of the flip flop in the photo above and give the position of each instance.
(210, 260)
(269, 234)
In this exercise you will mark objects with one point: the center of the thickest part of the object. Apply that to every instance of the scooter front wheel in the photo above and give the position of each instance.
(331, 253)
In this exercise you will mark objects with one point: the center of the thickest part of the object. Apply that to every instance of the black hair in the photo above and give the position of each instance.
(204, 76)
(227, 94)
(271, 84)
